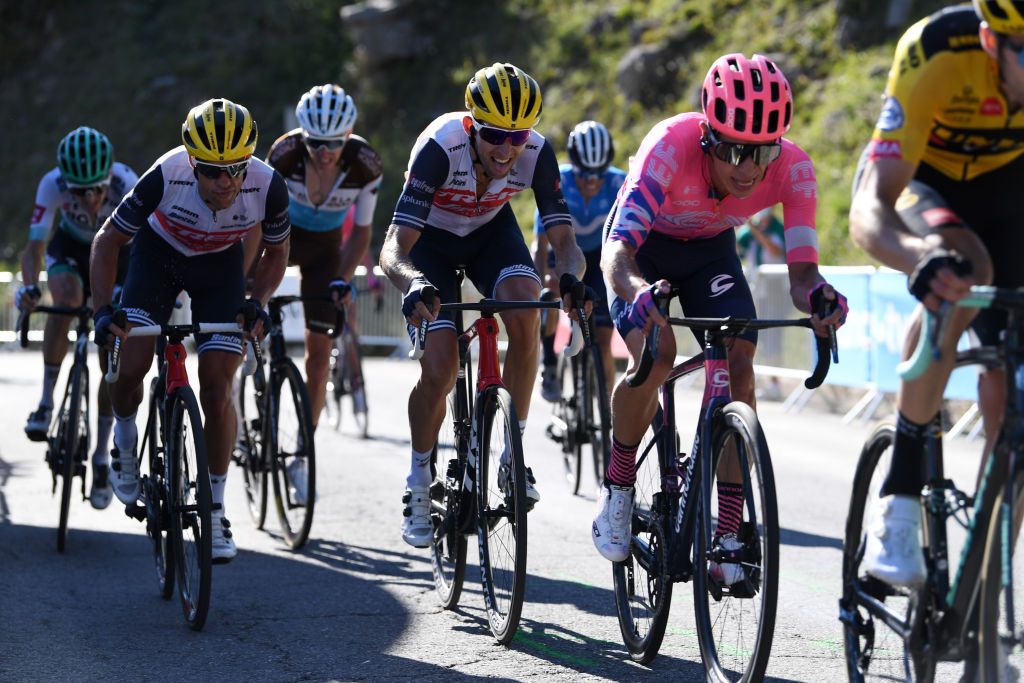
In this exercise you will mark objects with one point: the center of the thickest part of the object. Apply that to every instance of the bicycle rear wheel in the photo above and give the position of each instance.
(873, 650)
(357, 384)
(597, 415)
(448, 552)
(292, 454)
(501, 513)
(1001, 646)
(70, 435)
(567, 411)
(336, 388)
(736, 622)
(158, 516)
(190, 504)
(249, 449)
(643, 586)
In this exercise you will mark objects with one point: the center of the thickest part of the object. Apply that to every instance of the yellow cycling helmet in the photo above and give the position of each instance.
(219, 130)
(1002, 16)
(504, 96)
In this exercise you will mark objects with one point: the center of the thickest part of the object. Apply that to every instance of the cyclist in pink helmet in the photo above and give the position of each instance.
(695, 178)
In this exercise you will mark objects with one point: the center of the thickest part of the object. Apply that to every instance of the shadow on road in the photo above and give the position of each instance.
(808, 540)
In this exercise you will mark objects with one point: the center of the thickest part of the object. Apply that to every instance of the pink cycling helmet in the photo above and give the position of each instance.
(747, 99)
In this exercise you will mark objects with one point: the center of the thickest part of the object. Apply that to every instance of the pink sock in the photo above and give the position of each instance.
(622, 468)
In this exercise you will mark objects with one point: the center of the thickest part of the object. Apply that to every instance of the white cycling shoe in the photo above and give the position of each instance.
(224, 549)
(611, 531)
(124, 475)
(893, 550)
(417, 529)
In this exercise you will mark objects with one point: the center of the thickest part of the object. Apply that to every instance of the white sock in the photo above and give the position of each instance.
(218, 482)
(101, 456)
(125, 432)
(50, 374)
(419, 469)
(522, 427)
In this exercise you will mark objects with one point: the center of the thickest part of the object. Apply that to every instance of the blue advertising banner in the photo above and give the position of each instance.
(853, 338)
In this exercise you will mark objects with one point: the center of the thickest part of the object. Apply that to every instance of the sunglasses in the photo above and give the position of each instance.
(735, 153)
(497, 136)
(329, 145)
(99, 188)
(213, 171)
(586, 175)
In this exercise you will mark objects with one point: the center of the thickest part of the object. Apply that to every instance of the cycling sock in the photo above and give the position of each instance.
(548, 354)
(218, 482)
(419, 469)
(730, 508)
(622, 468)
(125, 432)
(50, 374)
(101, 456)
(905, 472)
(522, 427)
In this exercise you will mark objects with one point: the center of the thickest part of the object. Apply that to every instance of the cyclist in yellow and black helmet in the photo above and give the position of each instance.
(453, 212)
(188, 214)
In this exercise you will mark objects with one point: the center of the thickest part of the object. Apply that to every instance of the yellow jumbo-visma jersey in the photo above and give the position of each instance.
(943, 105)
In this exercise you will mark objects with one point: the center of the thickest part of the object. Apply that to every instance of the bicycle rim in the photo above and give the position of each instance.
(1000, 637)
(501, 517)
(567, 410)
(448, 552)
(158, 515)
(190, 507)
(292, 448)
(643, 587)
(249, 449)
(873, 651)
(70, 440)
(359, 412)
(598, 415)
(335, 385)
(736, 623)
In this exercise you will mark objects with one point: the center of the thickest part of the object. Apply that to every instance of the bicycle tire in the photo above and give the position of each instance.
(158, 516)
(335, 384)
(598, 414)
(360, 414)
(755, 596)
(249, 450)
(448, 550)
(566, 409)
(291, 439)
(642, 583)
(867, 654)
(70, 434)
(501, 513)
(190, 504)
(999, 662)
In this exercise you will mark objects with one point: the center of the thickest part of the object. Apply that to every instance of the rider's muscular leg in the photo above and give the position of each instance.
(66, 290)
(428, 400)
(604, 343)
(126, 393)
(318, 358)
(741, 385)
(523, 327)
(216, 371)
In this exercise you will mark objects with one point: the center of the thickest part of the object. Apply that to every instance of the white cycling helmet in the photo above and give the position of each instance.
(590, 147)
(326, 112)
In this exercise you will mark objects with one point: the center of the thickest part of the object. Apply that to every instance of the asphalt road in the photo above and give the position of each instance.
(357, 603)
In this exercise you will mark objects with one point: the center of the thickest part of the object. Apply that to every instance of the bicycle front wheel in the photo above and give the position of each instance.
(448, 552)
(190, 504)
(501, 513)
(158, 516)
(643, 585)
(292, 454)
(567, 412)
(249, 449)
(71, 435)
(735, 601)
(1001, 631)
(335, 384)
(873, 650)
(596, 418)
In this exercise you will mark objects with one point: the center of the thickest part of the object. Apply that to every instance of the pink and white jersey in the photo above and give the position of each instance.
(668, 190)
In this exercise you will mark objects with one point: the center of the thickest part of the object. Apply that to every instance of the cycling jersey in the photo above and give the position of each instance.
(357, 184)
(53, 196)
(588, 216)
(943, 105)
(440, 186)
(167, 198)
(668, 191)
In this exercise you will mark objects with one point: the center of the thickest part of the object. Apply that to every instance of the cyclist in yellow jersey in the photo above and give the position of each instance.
(934, 197)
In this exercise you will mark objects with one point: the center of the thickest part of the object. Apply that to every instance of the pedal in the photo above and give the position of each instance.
(136, 512)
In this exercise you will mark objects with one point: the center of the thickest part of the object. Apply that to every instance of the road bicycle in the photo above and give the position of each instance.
(581, 419)
(346, 379)
(176, 502)
(67, 441)
(672, 526)
(276, 445)
(898, 633)
(480, 478)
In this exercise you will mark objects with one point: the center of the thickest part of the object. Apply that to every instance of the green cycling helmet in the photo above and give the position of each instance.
(85, 156)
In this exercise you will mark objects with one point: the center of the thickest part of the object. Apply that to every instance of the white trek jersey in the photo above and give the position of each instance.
(53, 197)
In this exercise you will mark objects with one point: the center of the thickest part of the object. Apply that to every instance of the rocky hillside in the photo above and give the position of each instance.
(132, 68)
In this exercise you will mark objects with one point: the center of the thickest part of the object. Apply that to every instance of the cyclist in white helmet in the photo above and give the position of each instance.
(590, 184)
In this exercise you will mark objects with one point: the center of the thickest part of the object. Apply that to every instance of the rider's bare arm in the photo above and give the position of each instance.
(540, 255)
(353, 251)
(874, 224)
(103, 263)
(568, 255)
(394, 256)
(618, 263)
(31, 262)
(270, 270)
(252, 247)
